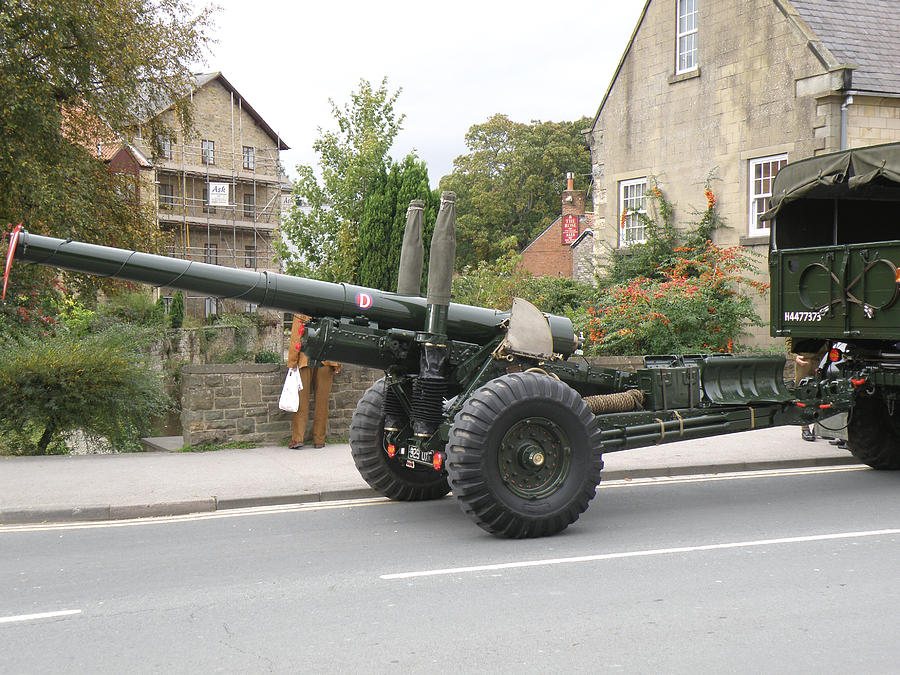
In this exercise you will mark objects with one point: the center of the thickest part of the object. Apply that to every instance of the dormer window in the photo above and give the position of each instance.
(686, 37)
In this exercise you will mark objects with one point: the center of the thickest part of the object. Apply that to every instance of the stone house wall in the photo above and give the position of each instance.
(584, 263)
(759, 91)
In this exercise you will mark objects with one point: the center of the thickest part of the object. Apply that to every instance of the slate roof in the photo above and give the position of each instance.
(861, 32)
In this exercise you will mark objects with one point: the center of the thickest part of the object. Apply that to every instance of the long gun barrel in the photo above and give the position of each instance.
(276, 291)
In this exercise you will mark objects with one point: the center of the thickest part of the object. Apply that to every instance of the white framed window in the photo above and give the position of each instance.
(165, 143)
(249, 206)
(166, 197)
(211, 307)
(632, 210)
(250, 256)
(249, 158)
(207, 151)
(761, 174)
(686, 37)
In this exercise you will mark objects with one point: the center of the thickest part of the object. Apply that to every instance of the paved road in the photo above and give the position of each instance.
(789, 571)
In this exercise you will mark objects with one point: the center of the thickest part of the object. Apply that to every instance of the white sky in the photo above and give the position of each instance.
(457, 63)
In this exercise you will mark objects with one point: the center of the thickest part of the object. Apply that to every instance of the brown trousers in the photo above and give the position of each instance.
(320, 380)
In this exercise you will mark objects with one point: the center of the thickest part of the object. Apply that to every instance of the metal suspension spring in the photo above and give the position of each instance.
(394, 414)
(428, 404)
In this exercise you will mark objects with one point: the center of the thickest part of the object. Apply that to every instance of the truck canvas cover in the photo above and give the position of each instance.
(870, 172)
(835, 246)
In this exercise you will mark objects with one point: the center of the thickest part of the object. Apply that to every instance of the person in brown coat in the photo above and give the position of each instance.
(807, 356)
(312, 377)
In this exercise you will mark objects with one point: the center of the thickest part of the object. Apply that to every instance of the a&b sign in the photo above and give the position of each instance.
(218, 194)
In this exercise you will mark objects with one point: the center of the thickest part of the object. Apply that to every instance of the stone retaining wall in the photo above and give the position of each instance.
(224, 403)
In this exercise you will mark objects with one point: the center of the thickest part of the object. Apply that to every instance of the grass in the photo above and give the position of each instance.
(211, 447)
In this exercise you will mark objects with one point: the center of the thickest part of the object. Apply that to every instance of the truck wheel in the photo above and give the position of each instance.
(386, 475)
(524, 456)
(873, 435)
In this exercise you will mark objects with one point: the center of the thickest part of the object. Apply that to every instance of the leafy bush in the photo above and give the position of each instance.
(135, 307)
(495, 284)
(491, 283)
(695, 297)
(31, 305)
(557, 295)
(159, 311)
(99, 382)
(234, 354)
(264, 356)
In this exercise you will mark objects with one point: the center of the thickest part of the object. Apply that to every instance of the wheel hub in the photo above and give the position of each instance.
(534, 457)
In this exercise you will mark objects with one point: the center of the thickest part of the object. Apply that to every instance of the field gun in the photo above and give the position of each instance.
(500, 407)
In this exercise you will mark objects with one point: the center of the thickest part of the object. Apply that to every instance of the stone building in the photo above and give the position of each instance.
(738, 88)
(553, 251)
(219, 192)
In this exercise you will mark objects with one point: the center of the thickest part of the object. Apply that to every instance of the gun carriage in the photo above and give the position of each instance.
(500, 408)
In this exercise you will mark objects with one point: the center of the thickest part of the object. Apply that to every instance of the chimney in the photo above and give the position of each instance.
(573, 200)
(572, 211)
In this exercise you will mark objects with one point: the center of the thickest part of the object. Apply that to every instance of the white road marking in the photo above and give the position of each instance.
(42, 615)
(736, 475)
(225, 513)
(638, 554)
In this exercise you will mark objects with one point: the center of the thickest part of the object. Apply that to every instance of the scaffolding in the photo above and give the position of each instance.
(238, 233)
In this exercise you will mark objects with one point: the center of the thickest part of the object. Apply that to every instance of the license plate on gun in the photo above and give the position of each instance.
(420, 455)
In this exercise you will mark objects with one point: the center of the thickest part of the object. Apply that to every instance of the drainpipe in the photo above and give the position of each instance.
(848, 101)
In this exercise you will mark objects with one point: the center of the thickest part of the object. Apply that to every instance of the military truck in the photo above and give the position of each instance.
(834, 252)
(502, 409)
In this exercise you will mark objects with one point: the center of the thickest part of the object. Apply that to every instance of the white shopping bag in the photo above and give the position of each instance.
(290, 392)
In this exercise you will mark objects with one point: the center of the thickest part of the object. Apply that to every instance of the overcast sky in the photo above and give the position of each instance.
(458, 63)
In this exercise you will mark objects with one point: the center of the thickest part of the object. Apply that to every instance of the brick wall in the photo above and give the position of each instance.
(547, 255)
(239, 402)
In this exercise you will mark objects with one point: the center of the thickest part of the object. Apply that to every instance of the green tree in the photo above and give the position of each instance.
(384, 220)
(495, 283)
(176, 310)
(74, 73)
(375, 229)
(99, 382)
(511, 181)
(322, 236)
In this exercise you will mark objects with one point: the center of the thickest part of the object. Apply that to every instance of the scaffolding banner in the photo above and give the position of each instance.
(218, 194)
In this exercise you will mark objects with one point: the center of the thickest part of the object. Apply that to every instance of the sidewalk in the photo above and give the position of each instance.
(101, 487)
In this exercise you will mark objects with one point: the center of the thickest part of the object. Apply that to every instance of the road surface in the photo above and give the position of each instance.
(786, 571)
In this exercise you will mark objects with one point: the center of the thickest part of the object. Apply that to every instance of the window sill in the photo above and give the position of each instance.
(757, 240)
(681, 77)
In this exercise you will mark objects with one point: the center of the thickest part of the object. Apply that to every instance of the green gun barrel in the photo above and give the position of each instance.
(276, 291)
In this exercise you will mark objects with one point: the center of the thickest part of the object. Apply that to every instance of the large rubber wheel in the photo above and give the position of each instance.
(386, 475)
(873, 435)
(524, 456)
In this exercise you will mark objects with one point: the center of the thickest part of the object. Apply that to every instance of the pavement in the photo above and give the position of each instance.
(74, 488)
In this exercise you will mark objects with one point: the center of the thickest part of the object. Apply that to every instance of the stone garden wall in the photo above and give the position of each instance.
(224, 403)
